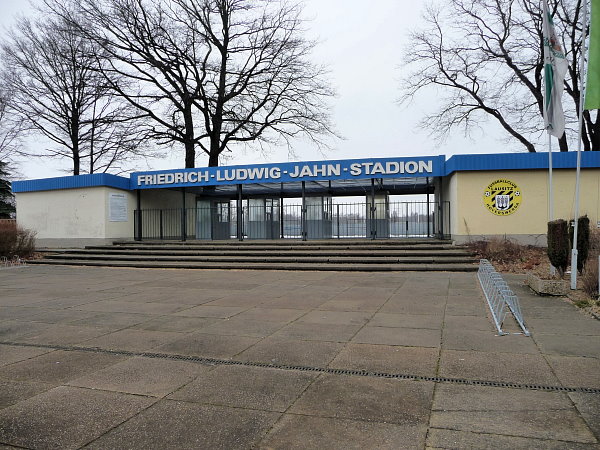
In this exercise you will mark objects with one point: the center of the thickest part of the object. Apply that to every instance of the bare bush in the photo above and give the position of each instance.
(589, 279)
(16, 241)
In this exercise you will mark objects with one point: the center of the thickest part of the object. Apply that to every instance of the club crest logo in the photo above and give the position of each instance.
(502, 197)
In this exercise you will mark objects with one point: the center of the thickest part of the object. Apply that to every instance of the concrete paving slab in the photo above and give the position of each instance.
(576, 371)
(17, 312)
(113, 306)
(13, 329)
(142, 376)
(495, 366)
(295, 301)
(388, 359)
(243, 327)
(292, 352)
(217, 312)
(247, 387)
(336, 317)
(541, 415)
(132, 340)
(410, 306)
(581, 326)
(486, 341)
(454, 397)
(315, 433)
(411, 337)
(453, 439)
(467, 309)
(317, 332)
(58, 366)
(432, 322)
(271, 314)
(12, 392)
(66, 417)
(555, 425)
(175, 324)
(569, 345)
(369, 399)
(114, 321)
(177, 425)
(208, 345)
(241, 299)
(588, 406)
(459, 323)
(340, 304)
(63, 334)
(10, 354)
(55, 316)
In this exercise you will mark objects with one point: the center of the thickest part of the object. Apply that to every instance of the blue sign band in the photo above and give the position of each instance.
(291, 172)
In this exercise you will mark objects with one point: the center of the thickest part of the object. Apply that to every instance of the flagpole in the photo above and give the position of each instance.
(579, 135)
(550, 192)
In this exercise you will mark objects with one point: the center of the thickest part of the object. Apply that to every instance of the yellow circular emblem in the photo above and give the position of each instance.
(502, 197)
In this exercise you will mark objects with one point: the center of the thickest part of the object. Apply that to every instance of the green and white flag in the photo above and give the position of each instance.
(555, 68)
(592, 88)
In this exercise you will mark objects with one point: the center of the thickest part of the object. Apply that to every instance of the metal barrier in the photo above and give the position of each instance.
(275, 220)
(500, 297)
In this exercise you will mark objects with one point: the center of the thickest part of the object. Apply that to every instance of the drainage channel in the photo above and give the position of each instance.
(351, 372)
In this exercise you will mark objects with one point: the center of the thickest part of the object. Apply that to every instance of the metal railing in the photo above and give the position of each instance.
(500, 297)
(375, 220)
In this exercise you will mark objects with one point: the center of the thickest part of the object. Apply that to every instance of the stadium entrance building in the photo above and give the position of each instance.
(463, 197)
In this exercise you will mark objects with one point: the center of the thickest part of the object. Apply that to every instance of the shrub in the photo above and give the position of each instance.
(498, 250)
(583, 241)
(16, 241)
(589, 280)
(558, 245)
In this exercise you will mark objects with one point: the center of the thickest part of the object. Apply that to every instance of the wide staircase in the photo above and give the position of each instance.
(342, 255)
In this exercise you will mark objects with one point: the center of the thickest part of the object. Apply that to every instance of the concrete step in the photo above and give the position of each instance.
(318, 259)
(291, 242)
(254, 248)
(266, 266)
(279, 252)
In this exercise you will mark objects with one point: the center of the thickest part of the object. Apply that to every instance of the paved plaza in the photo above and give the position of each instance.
(108, 358)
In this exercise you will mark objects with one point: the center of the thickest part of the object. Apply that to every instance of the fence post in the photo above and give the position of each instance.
(161, 224)
(240, 219)
(373, 226)
(303, 212)
(183, 215)
(138, 222)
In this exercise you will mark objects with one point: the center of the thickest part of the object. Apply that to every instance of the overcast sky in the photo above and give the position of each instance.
(362, 43)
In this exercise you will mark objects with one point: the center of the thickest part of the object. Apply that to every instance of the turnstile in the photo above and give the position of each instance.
(318, 218)
(262, 218)
(378, 216)
(213, 219)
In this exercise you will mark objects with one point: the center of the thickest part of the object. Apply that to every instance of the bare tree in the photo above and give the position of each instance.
(11, 130)
(212, 73)
(58, 91)
(486, 59)
(256, 81)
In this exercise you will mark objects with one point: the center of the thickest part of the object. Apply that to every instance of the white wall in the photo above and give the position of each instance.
(73, 217)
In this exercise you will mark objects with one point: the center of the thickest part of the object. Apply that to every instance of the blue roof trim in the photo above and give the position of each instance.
(520, 161)
(77, 181)
(456, 163)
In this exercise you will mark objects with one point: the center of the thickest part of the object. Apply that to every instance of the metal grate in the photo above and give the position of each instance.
(350, 372)
(499, 296)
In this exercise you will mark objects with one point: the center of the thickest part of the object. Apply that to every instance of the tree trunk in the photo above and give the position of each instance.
(76, 161)
(562, 143)
(213, 159)
(190, 155)
(190, 151)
